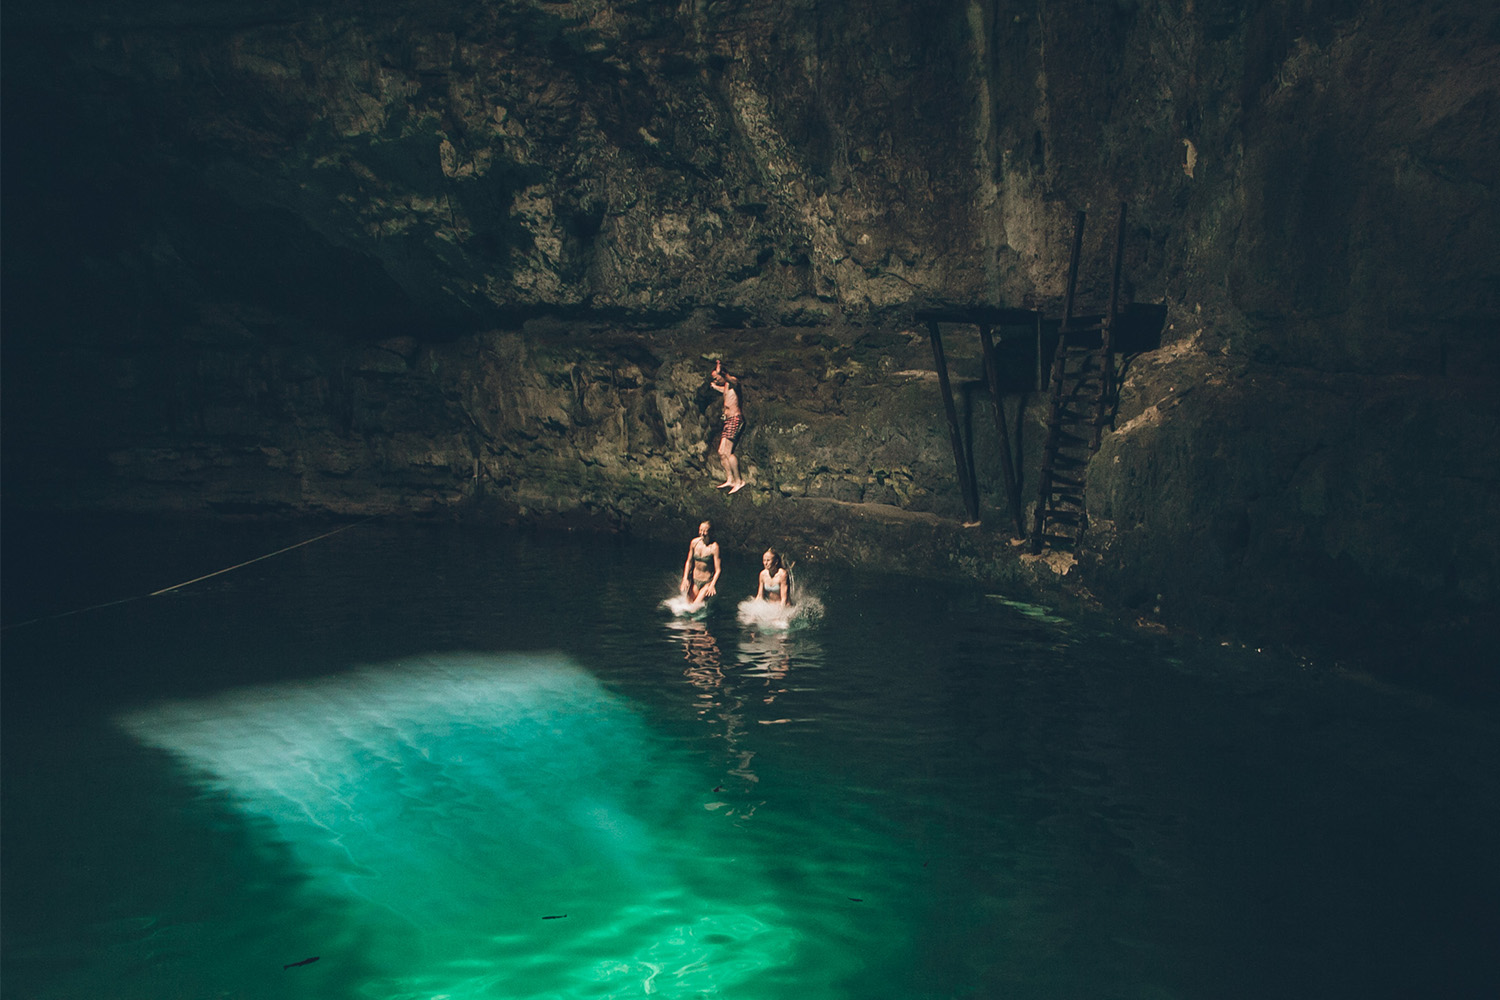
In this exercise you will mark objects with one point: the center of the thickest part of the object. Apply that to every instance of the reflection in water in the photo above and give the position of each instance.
(720, 703)
(730, 695)
(706, 669)
(769, 657)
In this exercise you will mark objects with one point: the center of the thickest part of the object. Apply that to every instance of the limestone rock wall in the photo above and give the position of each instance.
(1329, 506)
(542, 421)
(397, 256)
(1316, 174)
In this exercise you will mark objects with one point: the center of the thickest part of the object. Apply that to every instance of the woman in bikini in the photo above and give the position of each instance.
(775, 585)
(700, 574)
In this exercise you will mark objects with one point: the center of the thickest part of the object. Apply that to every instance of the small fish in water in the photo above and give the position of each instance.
(305, 961)
(718, 788)
(555, 916)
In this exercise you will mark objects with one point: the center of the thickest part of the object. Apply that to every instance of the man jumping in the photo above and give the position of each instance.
(734, 421)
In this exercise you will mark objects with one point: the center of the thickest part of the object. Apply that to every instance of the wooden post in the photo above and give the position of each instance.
(1107, 339)
(1039, 350)
(1073, 272)
(992, 373)
(965, 483)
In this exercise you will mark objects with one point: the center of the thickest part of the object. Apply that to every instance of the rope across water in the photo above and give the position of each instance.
(189, 583)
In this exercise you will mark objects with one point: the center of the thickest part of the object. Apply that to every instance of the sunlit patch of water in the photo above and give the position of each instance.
(495, 826)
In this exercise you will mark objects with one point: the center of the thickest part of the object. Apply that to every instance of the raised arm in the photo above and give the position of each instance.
(721, 380)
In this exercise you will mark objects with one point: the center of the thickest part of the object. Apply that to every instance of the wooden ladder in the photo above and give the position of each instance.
(1082, 385)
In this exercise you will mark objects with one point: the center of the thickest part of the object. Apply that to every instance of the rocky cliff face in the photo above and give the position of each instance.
(391, 256)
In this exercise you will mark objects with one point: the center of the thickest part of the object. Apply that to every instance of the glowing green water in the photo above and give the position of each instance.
(452, 810)
(452, 764)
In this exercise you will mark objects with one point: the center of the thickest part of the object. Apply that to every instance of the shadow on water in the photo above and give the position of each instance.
(119, 884)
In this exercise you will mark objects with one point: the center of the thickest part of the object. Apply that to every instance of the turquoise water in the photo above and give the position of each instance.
(465, 763)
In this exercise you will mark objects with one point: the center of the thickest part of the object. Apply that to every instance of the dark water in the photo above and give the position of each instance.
(453, 762)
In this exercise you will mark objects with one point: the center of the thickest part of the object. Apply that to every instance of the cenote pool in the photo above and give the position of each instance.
(457, 762)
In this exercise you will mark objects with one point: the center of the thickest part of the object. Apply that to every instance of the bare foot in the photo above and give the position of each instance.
(722, 485)
(737, 487)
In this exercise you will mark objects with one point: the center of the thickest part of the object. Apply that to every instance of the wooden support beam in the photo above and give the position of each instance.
(1073, 272)
(965, 481)
(1041, 365)
(1106, 338)
(992, 372)
(993, 315)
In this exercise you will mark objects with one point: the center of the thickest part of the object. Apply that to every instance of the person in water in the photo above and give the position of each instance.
(734, 422)
(775, 584)
(700, 574)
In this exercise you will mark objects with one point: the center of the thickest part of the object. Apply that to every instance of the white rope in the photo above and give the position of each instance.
(189, 583)
(199, 579)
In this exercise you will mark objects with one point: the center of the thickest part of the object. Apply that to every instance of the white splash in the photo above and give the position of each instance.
(775, 615)
(683, 608)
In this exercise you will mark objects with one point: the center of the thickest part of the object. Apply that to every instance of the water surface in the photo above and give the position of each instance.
(460, 762)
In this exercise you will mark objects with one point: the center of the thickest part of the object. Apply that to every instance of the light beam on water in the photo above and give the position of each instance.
(502, 826)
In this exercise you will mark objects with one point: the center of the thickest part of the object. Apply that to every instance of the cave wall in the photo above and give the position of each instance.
(362, 257)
